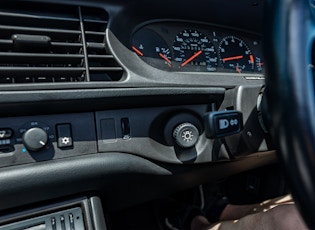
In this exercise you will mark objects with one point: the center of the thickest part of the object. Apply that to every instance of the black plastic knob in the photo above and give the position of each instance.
(35, 139)
(186, 135)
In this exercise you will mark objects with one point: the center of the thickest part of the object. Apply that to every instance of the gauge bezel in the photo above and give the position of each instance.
(240, 56)
(168, 29)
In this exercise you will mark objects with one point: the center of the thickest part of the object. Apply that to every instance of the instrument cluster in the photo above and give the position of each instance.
(185, 47)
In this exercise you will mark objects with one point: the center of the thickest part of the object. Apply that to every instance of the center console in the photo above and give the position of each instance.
(76, 214)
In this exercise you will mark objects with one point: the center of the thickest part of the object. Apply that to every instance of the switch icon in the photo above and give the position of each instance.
(64, 135)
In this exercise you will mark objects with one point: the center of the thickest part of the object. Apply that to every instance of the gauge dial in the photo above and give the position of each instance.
(259, 64)
(194, 51)
(152, 48)
(235, 54)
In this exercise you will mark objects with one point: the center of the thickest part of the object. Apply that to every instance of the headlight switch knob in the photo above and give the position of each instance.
(186, 135)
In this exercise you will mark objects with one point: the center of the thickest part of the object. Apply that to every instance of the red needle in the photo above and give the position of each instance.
(137, 51)
(165, 58)
(232, 58)
(238, 69)
(191, 58)
(251, 58)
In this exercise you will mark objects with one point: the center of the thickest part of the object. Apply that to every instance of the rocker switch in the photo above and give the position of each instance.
(64, 135)
(223, 123)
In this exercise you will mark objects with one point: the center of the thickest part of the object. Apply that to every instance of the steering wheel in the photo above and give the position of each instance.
(289, 36)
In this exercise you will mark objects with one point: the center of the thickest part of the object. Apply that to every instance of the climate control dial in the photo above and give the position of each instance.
(35, 139)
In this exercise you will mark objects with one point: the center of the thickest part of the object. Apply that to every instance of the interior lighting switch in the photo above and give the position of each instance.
(64, 135)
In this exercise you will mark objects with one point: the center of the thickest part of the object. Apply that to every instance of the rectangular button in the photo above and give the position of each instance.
(64, 135)
(228, 124)
(6, 133)
(5, 142)
(223, 123)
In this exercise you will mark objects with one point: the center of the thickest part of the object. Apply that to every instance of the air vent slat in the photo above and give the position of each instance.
(25, 16)
(94, 45)
(34, 55)
(36, 30)
(45, 43)
(6, 41)
(48, 59)
(95, 21)
(41, 69)
(66, 44)
(22, 72)
(99, 69)
(95, 33)
(101, 56)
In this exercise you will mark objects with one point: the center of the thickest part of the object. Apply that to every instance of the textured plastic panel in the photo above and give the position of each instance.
(151, 131)
(83, 135)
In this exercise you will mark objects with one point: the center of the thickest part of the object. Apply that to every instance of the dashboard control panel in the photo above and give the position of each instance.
(172, 134)
(47, 137)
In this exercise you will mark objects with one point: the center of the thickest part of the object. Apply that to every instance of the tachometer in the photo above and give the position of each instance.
(152, 48)
(235, 54)
(194, 51)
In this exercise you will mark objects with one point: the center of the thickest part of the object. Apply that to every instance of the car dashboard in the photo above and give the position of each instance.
(93, 94)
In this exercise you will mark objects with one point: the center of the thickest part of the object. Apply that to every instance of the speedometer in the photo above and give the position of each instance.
(194, 51)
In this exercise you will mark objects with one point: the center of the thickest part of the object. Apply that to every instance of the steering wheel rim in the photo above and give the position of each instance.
(289, 34)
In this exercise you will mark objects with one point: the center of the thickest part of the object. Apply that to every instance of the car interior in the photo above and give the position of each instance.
(114, 113)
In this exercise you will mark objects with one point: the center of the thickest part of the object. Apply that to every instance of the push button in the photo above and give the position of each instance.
(71, 220)
(5, 142)
(53, 223)
(62, 222)
(6, 133)
(64, 135)
(223, 123)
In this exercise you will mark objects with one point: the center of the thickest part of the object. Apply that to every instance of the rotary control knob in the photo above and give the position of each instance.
(186, 135)
(35, 139)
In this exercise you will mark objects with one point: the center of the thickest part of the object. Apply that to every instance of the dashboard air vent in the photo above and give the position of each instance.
(48, 43)
(102, 65)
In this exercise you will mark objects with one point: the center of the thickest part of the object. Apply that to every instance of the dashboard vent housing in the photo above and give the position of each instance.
(54, 43)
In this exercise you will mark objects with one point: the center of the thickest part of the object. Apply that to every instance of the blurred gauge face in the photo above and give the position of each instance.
(194, 51)
(152, 48)
(235, 55)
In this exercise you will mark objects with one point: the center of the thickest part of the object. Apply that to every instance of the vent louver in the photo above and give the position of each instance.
(54, 43)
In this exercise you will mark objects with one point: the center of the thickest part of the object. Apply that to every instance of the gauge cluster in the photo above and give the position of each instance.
(189, 47)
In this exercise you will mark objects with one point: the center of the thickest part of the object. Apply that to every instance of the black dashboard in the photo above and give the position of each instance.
(102, 86)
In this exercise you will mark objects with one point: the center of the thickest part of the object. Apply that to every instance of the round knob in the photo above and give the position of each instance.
(186, 135)
(35, 139)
